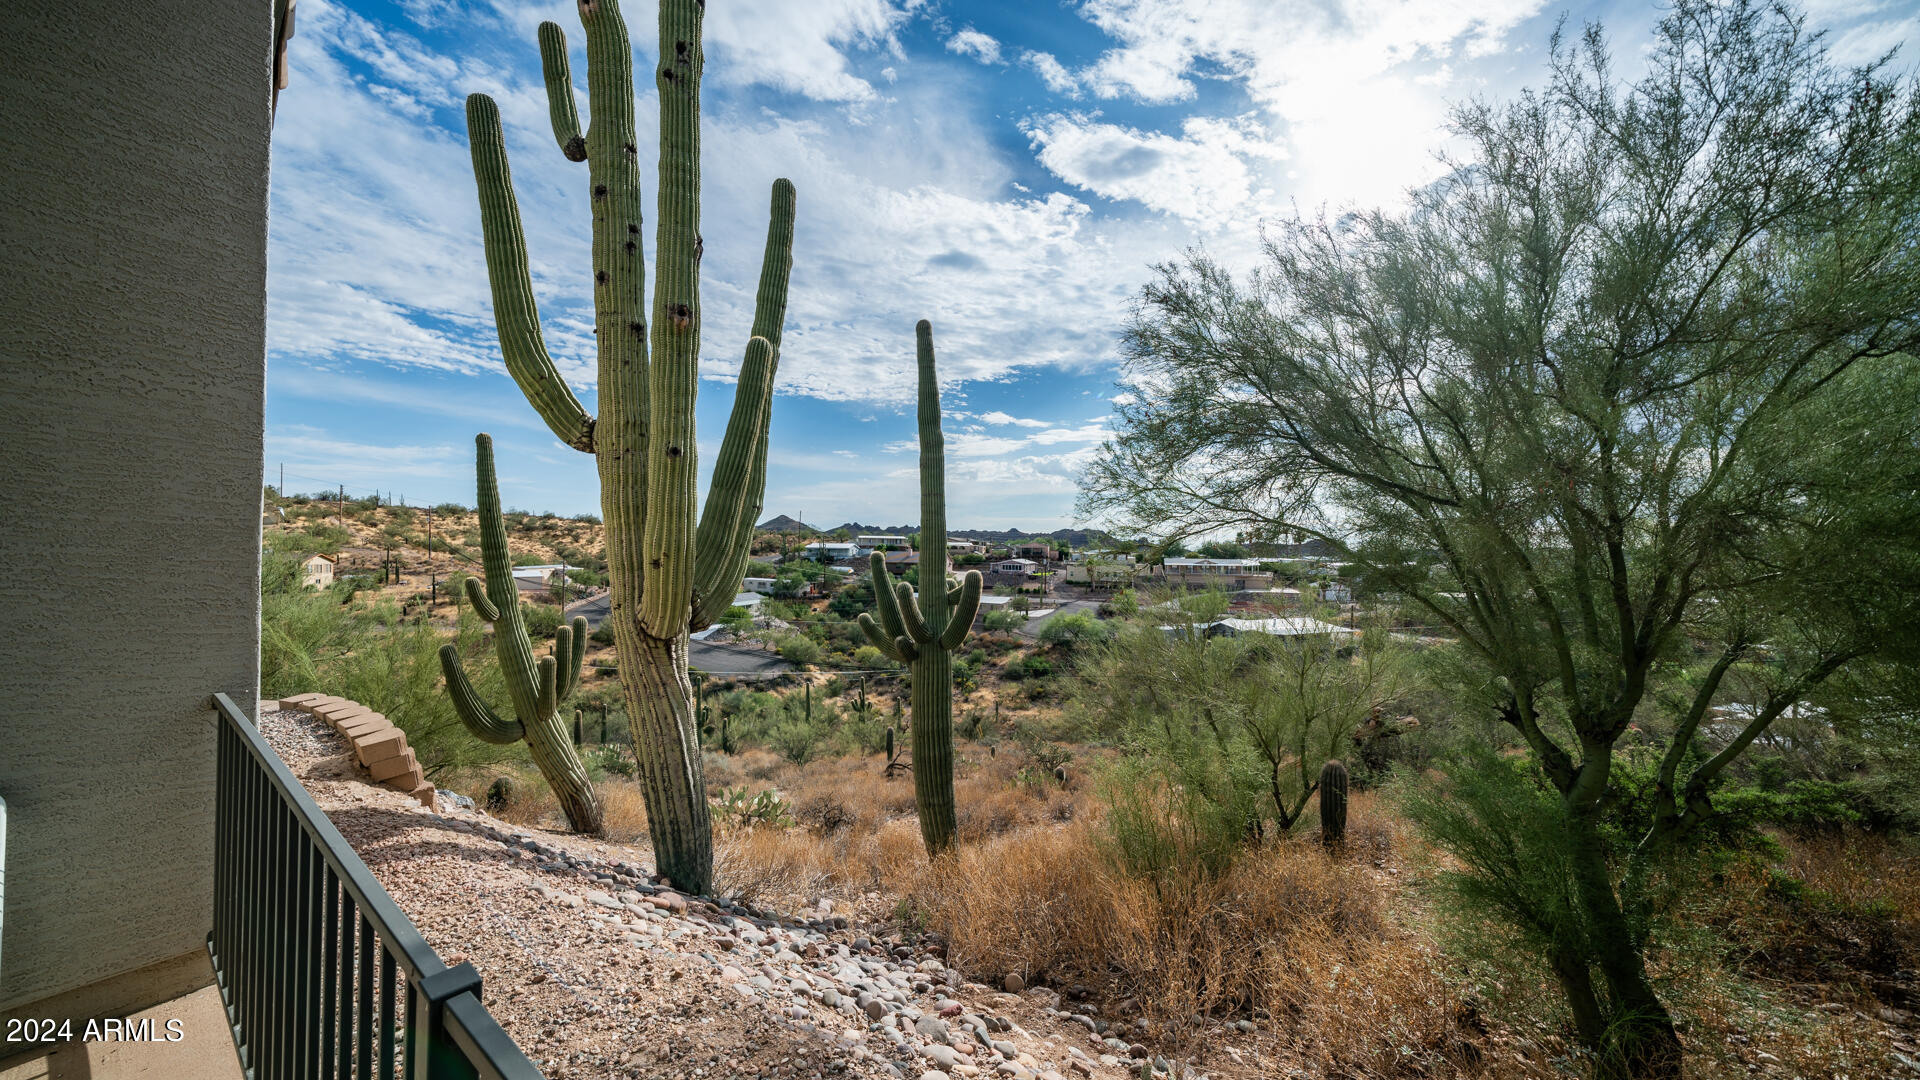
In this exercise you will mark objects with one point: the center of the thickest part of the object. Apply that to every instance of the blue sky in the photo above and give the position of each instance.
(1009, 170)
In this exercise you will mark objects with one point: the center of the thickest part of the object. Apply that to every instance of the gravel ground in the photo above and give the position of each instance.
(599, 970)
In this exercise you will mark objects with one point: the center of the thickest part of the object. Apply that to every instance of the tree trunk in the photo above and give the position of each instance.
(1640, 1040)
(667, 746)
(1576, 982)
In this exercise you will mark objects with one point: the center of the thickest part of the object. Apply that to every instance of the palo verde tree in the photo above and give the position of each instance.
(922, 633)
(671, 572)
(1625, 402)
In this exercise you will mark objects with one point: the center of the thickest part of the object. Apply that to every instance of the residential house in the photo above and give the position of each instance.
(1297, 627)
(316, 571)
(1234, 574)
(760, 585)
(959, 547)
(1042, 553)
(901, 561)
(542, 577)
(831, 550)
(1022, 567)
(881, 542)
(1108, 568)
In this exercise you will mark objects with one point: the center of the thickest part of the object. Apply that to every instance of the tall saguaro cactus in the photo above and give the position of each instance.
(537, 689)
(671, 572)
(923, 633)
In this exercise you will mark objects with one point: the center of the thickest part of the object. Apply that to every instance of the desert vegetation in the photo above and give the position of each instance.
(1601, 763)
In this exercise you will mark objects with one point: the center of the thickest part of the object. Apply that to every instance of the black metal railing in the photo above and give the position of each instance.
(322, 974)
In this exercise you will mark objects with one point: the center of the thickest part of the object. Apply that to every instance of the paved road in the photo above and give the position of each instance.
(594, 608)
(734, 659)
(1032, 627)
(707, 656)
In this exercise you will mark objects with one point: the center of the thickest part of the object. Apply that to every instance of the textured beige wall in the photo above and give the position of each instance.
(133, 194)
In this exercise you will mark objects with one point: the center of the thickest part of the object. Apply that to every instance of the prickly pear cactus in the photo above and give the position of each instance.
(537, 689)
(922, 632)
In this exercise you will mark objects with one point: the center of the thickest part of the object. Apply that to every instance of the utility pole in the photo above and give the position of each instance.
(433, 583)
(340, 508)
(282, 489)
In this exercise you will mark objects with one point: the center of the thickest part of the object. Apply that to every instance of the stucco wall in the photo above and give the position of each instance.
(133, 176)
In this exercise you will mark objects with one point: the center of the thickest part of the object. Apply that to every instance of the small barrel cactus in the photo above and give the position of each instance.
(1333, 803)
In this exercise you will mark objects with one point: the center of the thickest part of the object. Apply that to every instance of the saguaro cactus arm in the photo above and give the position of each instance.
(559, 77)
(570, 651)
(515, 314)
(486, 725)
(720, 557)
(477, 596)
(740, 474)
(965, 607)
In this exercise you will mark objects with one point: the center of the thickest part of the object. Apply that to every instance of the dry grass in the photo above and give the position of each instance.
(1289, 930)
(625, 811)
(1334, 954)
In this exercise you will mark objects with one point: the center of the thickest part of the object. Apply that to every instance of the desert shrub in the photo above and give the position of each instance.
(1003, 621)
(541, 620)
(1157, 830)
(1067, 631)
(800, 650)
(1030, 666)
(794, 739)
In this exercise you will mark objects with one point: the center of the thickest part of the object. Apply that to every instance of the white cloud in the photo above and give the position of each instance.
(799, 47)
(997, 417)
(1052, 72)
(1352, 86)
(1205, 176)
(313, 454)
(971, 42)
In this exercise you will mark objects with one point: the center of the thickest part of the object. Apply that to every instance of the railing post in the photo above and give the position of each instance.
(431, 1054)
(310, 951)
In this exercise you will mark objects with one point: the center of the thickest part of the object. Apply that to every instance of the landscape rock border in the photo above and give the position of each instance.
(379, 746)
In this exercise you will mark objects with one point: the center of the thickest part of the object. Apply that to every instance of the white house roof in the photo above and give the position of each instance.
(540, 571)
(748, 599)
(1293, 627)
(1225, 564)
(1011, 562)
(1299, 626)
(995, 601)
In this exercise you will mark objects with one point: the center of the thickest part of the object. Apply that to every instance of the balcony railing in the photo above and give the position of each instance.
(322, 974)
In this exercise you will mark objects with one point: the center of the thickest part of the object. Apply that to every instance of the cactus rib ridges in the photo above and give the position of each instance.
(923, 632)
(559, 79)
(671, 569)
(516, 316)
(1333, 803)
(533, 686)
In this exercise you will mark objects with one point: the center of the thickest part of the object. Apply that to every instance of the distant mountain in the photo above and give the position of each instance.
(783, 523)
(1075, 537)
